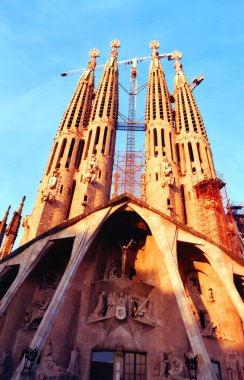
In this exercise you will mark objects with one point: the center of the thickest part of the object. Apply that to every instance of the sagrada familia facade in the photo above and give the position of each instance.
(124, 288)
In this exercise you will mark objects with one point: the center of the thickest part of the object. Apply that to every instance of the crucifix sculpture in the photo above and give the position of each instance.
(124, 250)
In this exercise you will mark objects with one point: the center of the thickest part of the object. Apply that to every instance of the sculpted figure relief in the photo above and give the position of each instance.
(208, 322)
(92, 170)
(73, 369)
(167, 173)
(170, 367)
(49, 194)
(123, 306)
(35, 313)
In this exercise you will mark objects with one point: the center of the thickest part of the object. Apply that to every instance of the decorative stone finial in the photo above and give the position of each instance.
(115, 44)
(177, 55)
(154, 45)
(93, 53)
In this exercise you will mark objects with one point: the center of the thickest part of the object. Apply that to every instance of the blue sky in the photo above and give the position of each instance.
(39, 39)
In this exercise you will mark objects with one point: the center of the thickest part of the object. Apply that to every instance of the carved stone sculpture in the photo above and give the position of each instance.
(167, 173)
(49, 194)
(113, 270)
(175, 366)
(101, 308)
(92, 170)
(35, 313)
(169, 367)
(5, 363)
(48, 369)
(73, 369)
(234, 366)
(123, 306)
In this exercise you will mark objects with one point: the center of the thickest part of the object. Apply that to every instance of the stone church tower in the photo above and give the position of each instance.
(124, 288)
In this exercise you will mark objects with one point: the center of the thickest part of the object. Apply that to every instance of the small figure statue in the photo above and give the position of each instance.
(5, 363)
(73, 369)
(111, 304)
(101, 308)
(113, 270)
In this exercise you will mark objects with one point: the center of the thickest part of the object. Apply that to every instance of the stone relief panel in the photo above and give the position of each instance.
(49, 193)
(35, 312)
(123, 304)
(201, 297)
(120, 294)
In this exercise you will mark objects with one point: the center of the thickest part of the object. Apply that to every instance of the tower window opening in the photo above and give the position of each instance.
(182, 188)
(155, 142)
(79, 154)
(85, 198)
(96, 141)
(88, 145)
(199, 152)
(149, 144)
(190, 152)
(61, 189)
(168, 202)
(53, 154)
(61, 153)
(111, 143)
(178, 152)
(162, 137)
(171, 147)
(104, 139)
(156, 174)
(71, 148)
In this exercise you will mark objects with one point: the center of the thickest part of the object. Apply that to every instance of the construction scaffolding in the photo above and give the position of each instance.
(214, 217)
(120, 177)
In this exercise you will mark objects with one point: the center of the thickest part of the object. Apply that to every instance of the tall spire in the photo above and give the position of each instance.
(3, 225)
(196, 157)
(161, 186)
(93, 183)
(12, 231)
(58, 183)
(77, 113)
(200, 186)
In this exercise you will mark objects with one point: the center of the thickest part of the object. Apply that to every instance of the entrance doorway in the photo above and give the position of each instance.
(102, 365)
